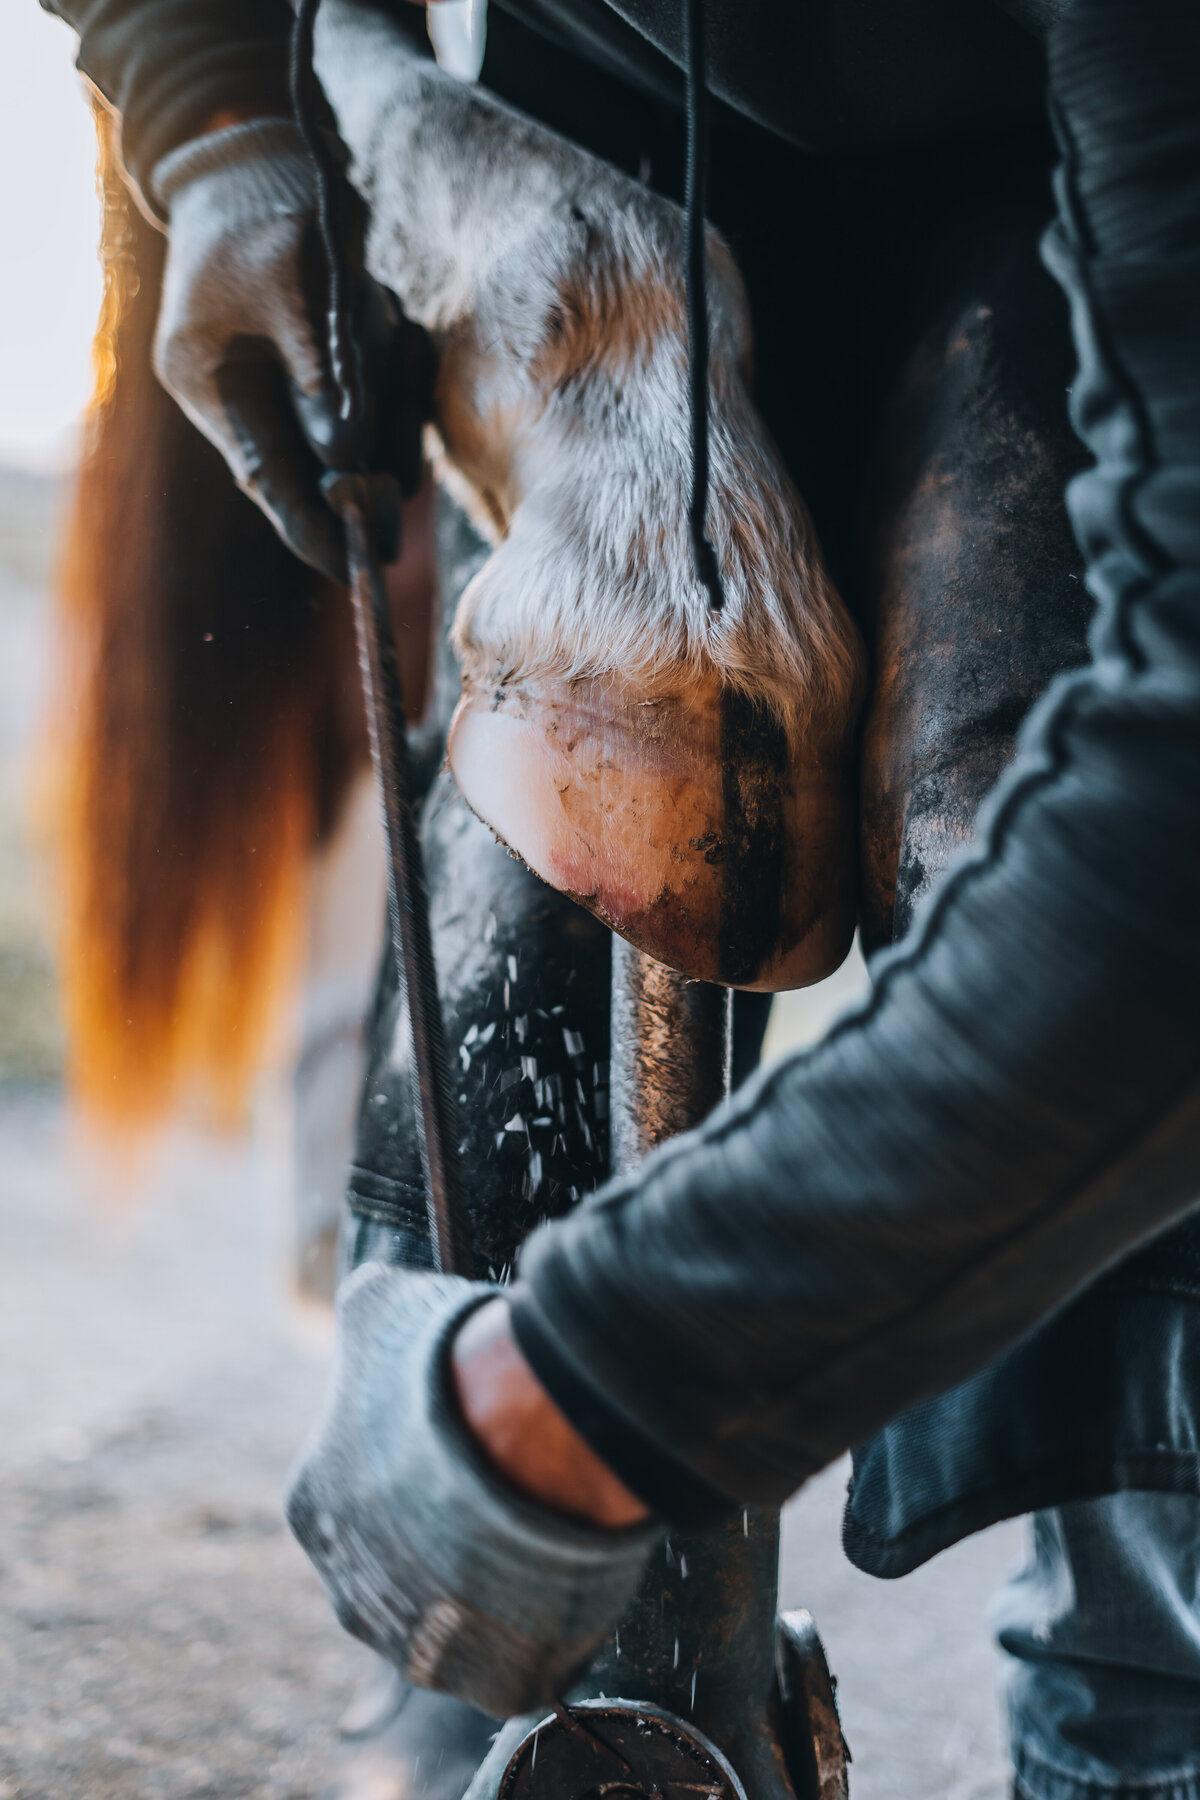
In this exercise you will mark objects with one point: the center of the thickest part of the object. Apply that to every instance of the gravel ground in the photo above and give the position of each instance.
(160, 1636)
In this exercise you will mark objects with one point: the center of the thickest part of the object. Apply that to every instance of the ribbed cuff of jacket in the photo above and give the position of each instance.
(667, 1486)
(269, 153)
(1123, 88)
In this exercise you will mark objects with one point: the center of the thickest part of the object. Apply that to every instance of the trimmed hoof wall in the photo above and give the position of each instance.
(688, 824)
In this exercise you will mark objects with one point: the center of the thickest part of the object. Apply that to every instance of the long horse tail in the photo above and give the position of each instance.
(207, 729)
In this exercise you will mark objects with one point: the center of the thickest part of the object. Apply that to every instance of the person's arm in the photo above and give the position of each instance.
(212, 152)
(171, 68)
(1018, 1103)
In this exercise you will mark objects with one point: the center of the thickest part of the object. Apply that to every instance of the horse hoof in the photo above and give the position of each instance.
(688, 823)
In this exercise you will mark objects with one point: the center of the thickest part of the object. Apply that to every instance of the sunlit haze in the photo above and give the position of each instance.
(49, 274)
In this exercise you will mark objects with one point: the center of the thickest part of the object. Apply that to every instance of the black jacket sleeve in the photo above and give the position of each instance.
(168, 66)
(1019, 1102)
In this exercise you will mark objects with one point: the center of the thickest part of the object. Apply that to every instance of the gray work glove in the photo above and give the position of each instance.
(425, 1550)
(242, 332)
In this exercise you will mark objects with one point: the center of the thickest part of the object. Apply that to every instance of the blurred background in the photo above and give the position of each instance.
(162, 1337)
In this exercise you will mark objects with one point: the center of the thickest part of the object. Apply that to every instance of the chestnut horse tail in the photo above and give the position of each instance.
(207, 728)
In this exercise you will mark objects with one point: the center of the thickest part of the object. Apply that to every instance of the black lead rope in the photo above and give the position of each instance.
(359, 498)
(704, 557)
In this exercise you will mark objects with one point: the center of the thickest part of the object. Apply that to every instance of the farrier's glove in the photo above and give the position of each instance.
(242, 333)
(425, 1550)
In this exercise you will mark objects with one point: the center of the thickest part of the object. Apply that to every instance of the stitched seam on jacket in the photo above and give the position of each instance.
(768, 1407)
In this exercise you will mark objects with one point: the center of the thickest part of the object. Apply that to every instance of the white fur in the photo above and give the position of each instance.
(554, 287)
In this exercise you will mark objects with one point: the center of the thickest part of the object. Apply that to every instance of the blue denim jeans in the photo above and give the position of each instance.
(1102, 1631)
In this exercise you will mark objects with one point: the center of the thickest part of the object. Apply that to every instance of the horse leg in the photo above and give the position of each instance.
(975, 578)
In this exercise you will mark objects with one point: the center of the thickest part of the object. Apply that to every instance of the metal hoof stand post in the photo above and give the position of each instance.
(702, 1690)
